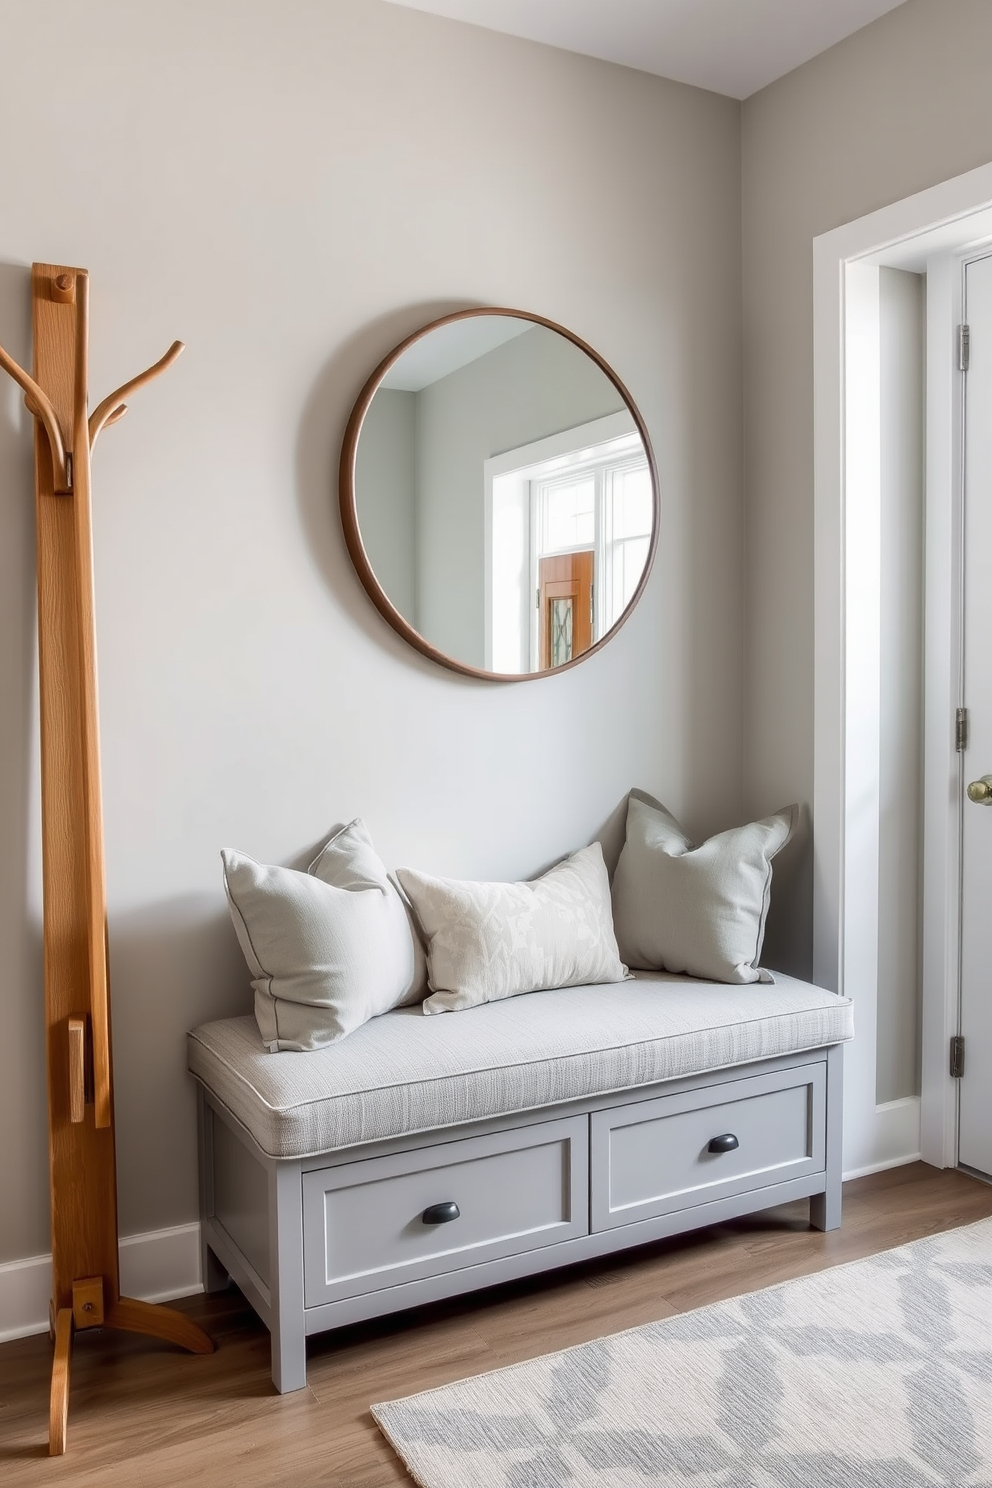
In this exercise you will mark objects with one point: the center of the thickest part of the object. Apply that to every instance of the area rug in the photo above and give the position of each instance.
(875, 1374)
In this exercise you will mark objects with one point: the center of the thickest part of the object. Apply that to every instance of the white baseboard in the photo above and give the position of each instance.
(880, 1167)
(881, 1136)
(156, 1267)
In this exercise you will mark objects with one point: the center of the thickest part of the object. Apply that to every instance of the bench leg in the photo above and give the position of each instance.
(824, 1208)
(213, 1276)
(289, 1358)
(289, 1343)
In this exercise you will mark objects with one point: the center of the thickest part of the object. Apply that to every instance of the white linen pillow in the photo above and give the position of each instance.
(327, 949)
(487, 941)
(349, 861)
(702, 909)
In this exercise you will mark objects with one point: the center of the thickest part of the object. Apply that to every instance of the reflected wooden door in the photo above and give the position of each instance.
(565, 597)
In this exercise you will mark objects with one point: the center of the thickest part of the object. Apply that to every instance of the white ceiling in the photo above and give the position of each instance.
(730, 46)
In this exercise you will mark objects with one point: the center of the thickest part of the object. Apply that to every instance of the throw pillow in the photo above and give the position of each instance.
(699, 910)
(487, 941)
(327, 949)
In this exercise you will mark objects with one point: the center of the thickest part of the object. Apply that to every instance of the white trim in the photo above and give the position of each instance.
(909, 234)
(942, 695)
(880, 1167)
(155, 1267)
(566, 442)
(862, 555)
(899, 1124)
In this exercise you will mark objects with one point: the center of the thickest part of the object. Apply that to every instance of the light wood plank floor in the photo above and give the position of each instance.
(143, 1415)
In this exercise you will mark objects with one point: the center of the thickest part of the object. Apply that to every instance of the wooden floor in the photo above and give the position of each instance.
(143, 1415)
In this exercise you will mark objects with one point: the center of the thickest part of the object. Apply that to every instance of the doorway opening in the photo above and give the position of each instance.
(929, 236)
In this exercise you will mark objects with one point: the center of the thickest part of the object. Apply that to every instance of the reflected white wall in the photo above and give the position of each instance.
(385, 467)
(528, 388)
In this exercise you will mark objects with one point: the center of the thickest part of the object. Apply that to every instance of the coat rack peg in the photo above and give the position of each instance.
(39, 405)
(113, 407)
(82, 1151)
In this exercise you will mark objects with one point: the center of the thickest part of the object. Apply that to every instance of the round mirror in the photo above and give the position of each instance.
(499, 494)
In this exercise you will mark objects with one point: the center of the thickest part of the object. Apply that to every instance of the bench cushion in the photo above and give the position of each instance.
(404, 1073)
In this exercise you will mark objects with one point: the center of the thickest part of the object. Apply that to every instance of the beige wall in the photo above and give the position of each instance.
(897, 107)
(291, 188)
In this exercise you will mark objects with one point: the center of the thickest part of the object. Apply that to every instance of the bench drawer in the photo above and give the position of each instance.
(653, 1157)
(364, 1226)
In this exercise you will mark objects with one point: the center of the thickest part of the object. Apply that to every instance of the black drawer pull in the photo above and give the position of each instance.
(446, 1212)
(727, 1143)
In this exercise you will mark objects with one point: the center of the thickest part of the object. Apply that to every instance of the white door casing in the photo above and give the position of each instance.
(975, 1110)
(921, 233)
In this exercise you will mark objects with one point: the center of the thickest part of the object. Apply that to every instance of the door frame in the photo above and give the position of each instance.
(929, 233)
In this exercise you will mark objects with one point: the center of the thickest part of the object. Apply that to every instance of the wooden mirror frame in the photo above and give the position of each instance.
(349, 501)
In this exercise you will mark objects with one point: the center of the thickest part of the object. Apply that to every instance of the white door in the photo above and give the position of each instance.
(975, 1144)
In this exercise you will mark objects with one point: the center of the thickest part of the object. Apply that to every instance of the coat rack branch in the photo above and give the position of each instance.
(113, 407)
(82, 1154)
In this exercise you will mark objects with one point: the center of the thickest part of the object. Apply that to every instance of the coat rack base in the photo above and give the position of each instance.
(129, 1315)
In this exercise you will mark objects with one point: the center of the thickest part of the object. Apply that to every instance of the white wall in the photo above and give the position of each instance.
(292, 189)
(897, 107)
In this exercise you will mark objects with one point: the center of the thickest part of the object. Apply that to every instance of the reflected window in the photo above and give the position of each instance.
(568, 513)
(577, 525)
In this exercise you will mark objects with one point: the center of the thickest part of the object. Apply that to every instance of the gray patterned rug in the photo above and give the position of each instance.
(876, 1374)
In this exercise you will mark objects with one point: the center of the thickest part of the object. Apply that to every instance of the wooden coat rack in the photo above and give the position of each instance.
(85, 1262)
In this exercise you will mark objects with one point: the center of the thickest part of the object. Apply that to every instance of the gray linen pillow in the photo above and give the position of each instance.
(487, 941)
(699, 910)
(327, 949)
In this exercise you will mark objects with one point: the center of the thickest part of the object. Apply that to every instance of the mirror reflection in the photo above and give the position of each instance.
(503, 493)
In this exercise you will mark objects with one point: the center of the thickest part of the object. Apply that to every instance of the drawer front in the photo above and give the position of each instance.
(363, 1222)
(653, 1157)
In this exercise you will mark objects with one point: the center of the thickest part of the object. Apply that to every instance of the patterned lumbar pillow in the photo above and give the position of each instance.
(700, 910)
(327, 949)
(487, 941)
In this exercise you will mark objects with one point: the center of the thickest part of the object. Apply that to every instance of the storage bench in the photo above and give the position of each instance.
(422, 1157)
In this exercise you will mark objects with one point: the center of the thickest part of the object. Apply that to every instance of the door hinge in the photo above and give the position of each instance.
(964, 347)
(957, 1056)
(961, 730)
(537, 597)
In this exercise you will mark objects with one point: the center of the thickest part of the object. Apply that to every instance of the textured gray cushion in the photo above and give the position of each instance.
(699, 910)
(327, 949)
(404, 1073)
(487, 941)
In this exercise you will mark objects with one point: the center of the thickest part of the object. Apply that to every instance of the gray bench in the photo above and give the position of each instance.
(424, 1157)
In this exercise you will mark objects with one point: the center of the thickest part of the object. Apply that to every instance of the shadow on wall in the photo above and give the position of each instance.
(22, 1058)
(181, 965)
(318, 451)
(792, 877)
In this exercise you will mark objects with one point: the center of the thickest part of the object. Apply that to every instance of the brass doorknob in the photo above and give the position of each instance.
(980, 791)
